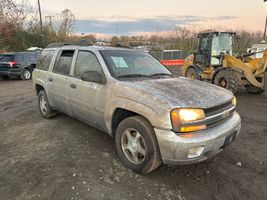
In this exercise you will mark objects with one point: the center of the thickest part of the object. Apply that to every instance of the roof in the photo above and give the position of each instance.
(84, 44)
(94, 47)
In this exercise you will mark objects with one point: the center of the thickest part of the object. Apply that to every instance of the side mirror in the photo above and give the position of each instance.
(92, 76)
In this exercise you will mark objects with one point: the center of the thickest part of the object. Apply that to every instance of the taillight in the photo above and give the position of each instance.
(11, 64)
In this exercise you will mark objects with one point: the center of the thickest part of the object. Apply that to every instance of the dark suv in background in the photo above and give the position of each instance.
(18, 64)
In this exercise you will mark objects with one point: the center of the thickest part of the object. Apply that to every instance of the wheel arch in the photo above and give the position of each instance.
(196, 68)
(216, 72)
(38, 88)
(119, 115)
(223, 68)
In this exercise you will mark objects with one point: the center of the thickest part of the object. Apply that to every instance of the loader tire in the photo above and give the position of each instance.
(254, 90)
(227, 79)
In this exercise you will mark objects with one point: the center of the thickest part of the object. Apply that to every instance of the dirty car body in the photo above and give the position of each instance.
(187, 121)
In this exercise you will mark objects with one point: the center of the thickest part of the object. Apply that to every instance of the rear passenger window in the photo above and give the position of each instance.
(63, 62)
(86, 61)
(45, 60)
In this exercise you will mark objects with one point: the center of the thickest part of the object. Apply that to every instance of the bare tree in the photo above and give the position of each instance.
(67, 24)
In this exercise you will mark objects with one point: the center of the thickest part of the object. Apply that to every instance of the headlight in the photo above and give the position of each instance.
(182, 116)
(234, 101)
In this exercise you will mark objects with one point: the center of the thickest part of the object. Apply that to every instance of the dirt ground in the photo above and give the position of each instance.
(63, 158)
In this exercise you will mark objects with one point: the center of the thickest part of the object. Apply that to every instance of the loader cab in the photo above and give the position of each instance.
(211, 46)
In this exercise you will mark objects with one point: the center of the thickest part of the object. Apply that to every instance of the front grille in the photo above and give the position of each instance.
(218, 109)
(218, 114)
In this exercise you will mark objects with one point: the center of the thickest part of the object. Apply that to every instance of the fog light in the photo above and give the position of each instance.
(195, 152)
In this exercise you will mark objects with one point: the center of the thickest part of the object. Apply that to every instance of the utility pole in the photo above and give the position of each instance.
(41, 22)
(50, 21)
(40, 14)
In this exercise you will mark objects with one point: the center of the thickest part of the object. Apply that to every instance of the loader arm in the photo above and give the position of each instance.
(251, 70)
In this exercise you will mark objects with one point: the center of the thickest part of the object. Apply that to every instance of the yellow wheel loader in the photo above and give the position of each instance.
(214, 62)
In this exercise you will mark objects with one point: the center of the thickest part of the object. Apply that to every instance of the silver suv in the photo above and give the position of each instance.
(154, 116)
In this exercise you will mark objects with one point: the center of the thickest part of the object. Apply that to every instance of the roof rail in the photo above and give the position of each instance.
(61, 44)
(120, 45)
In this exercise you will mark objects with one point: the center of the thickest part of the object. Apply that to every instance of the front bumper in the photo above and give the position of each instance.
(175, 149)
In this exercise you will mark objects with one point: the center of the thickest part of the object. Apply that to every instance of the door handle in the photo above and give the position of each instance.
(50, 79)
(73, 86)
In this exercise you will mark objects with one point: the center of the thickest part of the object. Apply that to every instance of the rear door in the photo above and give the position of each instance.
(58, 81)
(87, 99)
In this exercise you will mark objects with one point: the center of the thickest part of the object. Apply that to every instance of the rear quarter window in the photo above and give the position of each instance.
(32, 58)
(45, 60)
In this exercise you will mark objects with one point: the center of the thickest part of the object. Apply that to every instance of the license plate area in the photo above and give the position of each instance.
(229, 139)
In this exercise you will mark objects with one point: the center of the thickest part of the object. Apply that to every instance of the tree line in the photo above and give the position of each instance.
(181, 38)
(20, 29)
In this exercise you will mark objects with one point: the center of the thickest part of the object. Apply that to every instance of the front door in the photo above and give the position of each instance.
(87, 99)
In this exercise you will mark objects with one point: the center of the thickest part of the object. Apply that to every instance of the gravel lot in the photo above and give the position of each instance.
(63, 158)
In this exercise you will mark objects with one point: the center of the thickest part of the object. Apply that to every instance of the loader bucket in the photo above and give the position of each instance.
(251, 70)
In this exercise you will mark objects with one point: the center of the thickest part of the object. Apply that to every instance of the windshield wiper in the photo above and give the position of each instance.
(160, 74)
(132, 76)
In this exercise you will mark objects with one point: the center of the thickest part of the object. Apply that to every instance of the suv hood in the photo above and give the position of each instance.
(180, 92)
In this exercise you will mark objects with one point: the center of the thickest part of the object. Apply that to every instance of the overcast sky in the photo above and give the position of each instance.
(131, 16)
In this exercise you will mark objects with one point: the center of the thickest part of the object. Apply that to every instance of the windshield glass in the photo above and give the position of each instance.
(123, 63)
(222, 43)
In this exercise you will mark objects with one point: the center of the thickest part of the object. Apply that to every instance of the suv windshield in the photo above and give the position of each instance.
(127, 63)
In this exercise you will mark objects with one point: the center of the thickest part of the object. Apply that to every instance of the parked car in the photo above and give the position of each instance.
(19, 64)
(154, 116)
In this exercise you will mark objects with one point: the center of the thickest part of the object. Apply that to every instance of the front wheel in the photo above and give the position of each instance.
(26, 74)
(137, 145)
(228, 79)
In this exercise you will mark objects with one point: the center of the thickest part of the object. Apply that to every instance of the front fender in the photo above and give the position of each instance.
(157, 116)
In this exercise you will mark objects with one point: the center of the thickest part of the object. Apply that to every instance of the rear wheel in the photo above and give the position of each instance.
(26, 74)
(137, 145)
(191, 73)
(228, 79)
(44, 106)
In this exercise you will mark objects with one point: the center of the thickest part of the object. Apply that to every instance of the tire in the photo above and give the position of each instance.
(44, 106)
(135, 135)
(254, 90)
(191, 73)
(228, 79)
(26, 74)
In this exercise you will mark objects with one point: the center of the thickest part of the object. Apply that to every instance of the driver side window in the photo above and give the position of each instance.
(86, 61)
